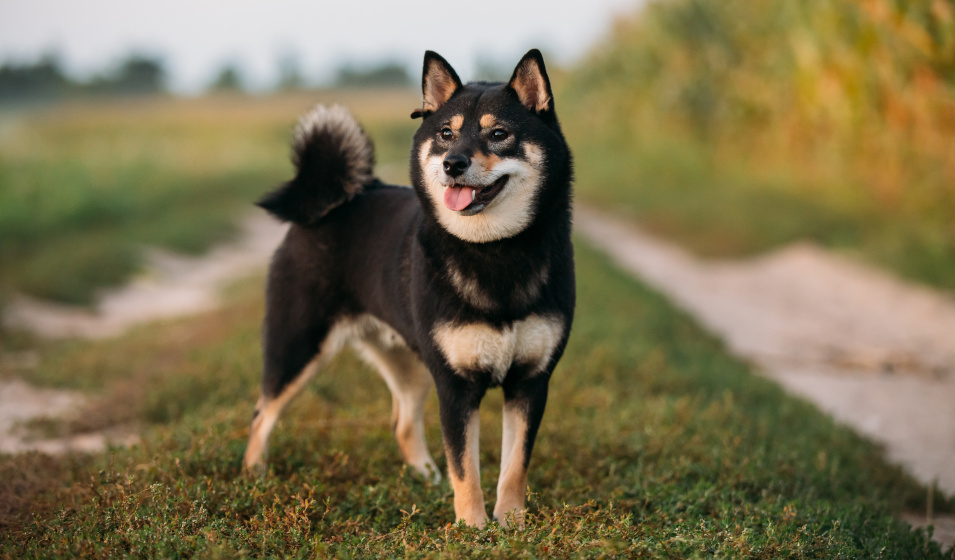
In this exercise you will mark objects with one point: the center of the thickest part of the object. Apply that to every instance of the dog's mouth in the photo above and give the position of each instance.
(471, 199)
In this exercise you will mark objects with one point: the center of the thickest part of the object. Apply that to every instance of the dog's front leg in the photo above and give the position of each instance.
(524, 402)
(459, 400)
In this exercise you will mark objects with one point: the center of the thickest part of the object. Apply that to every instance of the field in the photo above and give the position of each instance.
(736, 127)
(656, 443)
(92, 183)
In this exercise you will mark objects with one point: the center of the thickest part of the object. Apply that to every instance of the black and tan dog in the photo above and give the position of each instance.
(466, 282)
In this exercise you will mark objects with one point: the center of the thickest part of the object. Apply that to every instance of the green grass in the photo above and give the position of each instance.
(655, 444)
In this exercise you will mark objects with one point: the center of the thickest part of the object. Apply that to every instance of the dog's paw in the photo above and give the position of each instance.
(255, 468)
(477, 521)
(429, 472)
(513, 519)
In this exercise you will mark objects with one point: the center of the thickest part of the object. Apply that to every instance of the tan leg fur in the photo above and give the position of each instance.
(468, 497)
(509, 509)
(267, 413)
(410, 384)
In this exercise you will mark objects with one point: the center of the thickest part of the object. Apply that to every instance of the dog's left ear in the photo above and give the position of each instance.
(531, 84)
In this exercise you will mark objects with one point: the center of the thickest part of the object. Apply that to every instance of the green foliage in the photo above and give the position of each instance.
(813, 66)
(228, 79)
(764, 123)
(386, 74)
(42, 79)
(45, 80)
(655, 444)
(138, 74)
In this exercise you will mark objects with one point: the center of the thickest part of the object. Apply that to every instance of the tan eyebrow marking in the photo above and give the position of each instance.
(457, 121)
(488, 121)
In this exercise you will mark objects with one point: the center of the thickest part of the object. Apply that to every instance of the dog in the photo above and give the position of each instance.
(465, 282)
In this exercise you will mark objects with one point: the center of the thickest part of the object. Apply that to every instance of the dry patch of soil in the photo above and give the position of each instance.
(170, 286)
(20, 403)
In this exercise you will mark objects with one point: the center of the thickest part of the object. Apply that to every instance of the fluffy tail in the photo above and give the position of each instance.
(334, 160)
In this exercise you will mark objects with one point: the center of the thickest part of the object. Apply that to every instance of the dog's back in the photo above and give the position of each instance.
(354, 260)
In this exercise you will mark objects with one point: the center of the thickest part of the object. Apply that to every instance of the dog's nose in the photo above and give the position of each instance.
(455, 164)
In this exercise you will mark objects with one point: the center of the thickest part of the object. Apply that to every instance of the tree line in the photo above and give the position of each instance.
(139, 74)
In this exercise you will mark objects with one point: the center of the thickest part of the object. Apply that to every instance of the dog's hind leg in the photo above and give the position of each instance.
(524, 403)
(266, 414)
(410, 383)
(291, 359)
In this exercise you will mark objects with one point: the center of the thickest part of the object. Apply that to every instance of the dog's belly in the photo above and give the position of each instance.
(479, 347)
(366, 328)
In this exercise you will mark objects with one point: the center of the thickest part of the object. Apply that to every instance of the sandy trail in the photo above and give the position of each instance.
(170, 286)
(876, 353)
(20, 402)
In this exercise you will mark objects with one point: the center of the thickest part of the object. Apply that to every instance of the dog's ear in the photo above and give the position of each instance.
(438, 84)
(531, 84)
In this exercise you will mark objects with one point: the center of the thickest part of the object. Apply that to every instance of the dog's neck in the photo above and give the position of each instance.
(506, 276)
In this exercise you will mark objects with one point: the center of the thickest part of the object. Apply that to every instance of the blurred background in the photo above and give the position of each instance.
(731, 127)
(157, 124)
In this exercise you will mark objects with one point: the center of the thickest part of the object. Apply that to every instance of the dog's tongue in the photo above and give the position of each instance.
(458, 198)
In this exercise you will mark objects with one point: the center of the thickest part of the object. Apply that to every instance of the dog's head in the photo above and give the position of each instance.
(488, 156)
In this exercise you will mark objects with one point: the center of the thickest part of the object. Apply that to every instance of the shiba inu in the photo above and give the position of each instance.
(465, 282)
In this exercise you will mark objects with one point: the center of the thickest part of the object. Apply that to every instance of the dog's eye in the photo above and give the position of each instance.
(499, 134)
(447, 133)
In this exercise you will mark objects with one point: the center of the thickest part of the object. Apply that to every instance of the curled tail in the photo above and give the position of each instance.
(334, 160)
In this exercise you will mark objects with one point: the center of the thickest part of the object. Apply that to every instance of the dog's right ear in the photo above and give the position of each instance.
(438, 84)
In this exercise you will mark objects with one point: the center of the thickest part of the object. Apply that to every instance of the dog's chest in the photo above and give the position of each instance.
(480, 347)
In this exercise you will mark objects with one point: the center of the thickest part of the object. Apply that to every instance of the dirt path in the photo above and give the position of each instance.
(171, 286)
(20, 402)
(876, 353)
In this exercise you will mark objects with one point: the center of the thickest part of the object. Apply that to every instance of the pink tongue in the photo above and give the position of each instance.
(457, 198)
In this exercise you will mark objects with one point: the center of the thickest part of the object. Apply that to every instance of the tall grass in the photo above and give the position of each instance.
(844, 107)
(85, 186)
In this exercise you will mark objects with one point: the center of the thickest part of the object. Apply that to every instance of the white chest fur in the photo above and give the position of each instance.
(481, 347)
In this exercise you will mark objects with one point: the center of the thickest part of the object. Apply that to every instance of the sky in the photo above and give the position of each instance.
(195, 38)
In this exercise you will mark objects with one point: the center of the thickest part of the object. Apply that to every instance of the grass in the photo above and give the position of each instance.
(720, 208)
(85, 186)
(656, 444)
